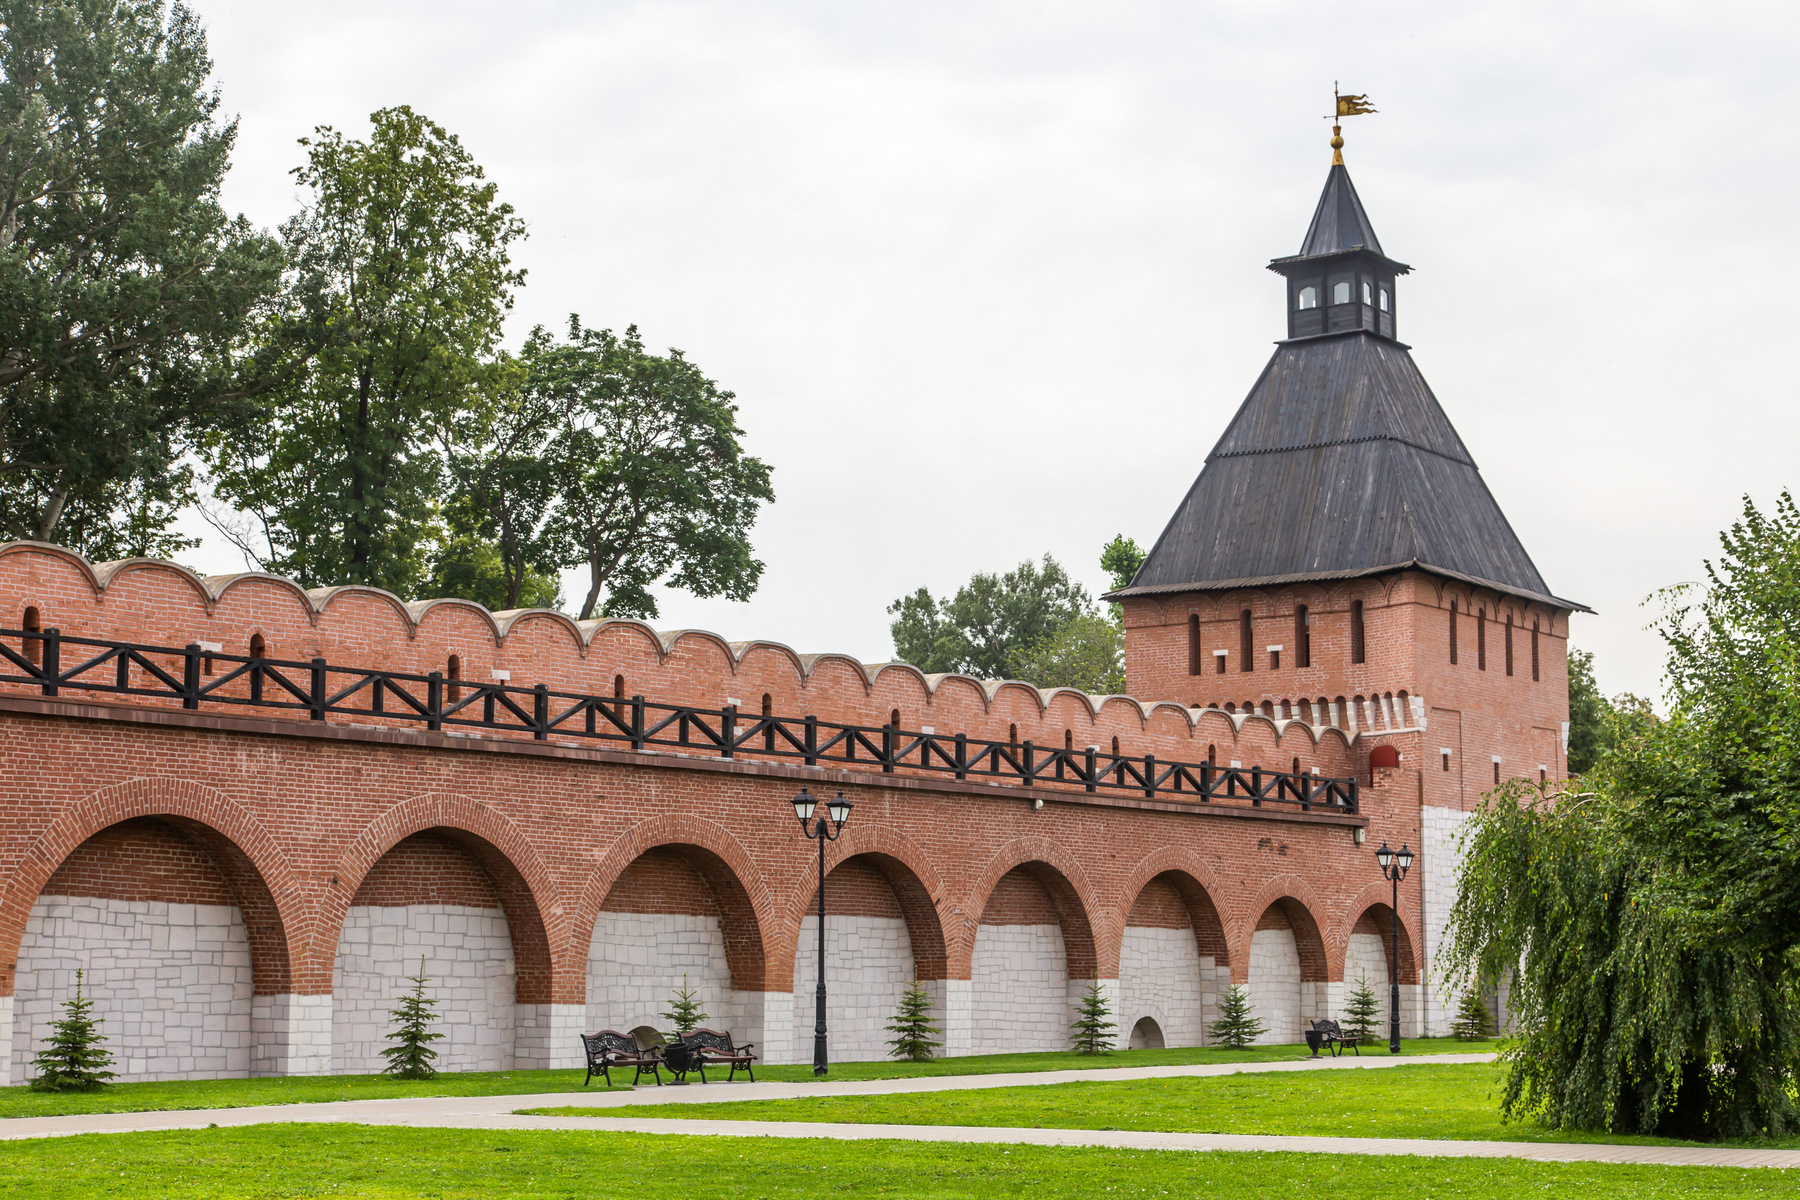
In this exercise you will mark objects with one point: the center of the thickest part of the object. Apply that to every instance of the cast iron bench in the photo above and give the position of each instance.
(1334, 1038)
(714, 1047)
(609, 1048)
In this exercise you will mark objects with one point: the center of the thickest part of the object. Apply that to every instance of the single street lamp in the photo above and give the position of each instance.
(1394, 868)
(823, 831)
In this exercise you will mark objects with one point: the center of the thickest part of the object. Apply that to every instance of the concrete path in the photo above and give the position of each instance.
(501, 1113)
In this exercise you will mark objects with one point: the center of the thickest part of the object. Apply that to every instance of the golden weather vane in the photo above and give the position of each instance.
(1345, 106)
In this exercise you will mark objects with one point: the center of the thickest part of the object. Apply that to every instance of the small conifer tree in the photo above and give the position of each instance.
(1472, 1023)
(685, 1013)
(411, 1055)
(73, 1060)
(1093, 1020)
(1236, 1026)
(1361, 1015)
(913, 1029)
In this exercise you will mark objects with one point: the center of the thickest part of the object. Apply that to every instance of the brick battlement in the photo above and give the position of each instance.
(155, 602)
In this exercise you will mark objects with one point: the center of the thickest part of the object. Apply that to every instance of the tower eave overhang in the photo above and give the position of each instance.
(1281, 266)
(1264, 581)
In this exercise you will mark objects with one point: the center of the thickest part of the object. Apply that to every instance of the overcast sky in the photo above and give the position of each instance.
(988, 278)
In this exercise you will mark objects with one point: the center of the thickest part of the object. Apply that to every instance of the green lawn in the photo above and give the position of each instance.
(236, 1093)
(1454, 1101)
(354, 1160)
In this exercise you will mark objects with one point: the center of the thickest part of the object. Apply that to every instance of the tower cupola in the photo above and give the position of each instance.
(1341, 281)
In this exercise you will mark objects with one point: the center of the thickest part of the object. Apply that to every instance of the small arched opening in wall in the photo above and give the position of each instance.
(1287, 973)
(453, 671)
(1382, 758)
(177, 934)
(881, 932)
(1146, 1034)
(768, 710)
(677, 916)
(259, 647)
(33, 622)
(1173, 957)
(1034, 958)
(449, 902)
(1367, 952)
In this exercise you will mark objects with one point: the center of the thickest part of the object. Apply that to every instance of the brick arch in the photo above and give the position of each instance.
(511, 862)
(248, 856)
(1376, 898)
(754, 949)
(931, 925)
(1200, 889)
(1077, 904)
(1299, 903)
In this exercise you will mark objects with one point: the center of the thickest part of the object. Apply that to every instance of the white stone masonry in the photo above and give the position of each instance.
(1021, 990)
(468, 958)
(869, 963)
(636, 962)
(1278, 999)
(1163, 976)
(171, 982)
(1438, 859)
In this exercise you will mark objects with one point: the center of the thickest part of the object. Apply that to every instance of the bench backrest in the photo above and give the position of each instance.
(1330, 1027)
(711, 1039)
(611, 1041)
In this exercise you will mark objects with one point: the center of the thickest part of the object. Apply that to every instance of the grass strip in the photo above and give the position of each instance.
(274, 1162)
(1455, 1102)
(313, 1089)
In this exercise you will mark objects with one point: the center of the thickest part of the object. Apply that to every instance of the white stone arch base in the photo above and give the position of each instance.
(468, 960)
(170, 982)
(636, 961)
(1023, 999)
(1278, 998)
(1163, 975)
(868, 964)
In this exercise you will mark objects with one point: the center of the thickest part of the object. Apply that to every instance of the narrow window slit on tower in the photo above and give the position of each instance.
(1193, 643)
(455, 674)
(1356, 631)
(1481, 639)
(1246, 647)
(1302, 636)
(1534, 651)
(1509, 624)
(1453, 633)
(768, 710)
(33, 623)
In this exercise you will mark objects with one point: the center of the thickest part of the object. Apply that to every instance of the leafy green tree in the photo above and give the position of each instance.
(400, 279)
(499, 550)
(411, 1055)
(1362, 1016)
(1091, 1032)
(991, 623)
(73, 1058)
(685, 1013)
(1121, 558)
(1653, 921)
(651, 481)
(915, 1033)
(1237, 1025)
(1595, 723)
(125, 290)
(1086, 653)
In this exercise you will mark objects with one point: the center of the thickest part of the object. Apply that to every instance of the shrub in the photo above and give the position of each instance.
(73, 1060)
(1236, 1026)
(912, 1027)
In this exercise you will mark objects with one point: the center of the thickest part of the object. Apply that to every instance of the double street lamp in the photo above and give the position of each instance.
(1393, 868)
(823, 831)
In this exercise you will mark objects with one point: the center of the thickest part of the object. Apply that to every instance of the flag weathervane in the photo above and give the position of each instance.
(1345, 106)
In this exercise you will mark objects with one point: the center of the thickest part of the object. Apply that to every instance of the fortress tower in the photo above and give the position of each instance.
(1340, 561)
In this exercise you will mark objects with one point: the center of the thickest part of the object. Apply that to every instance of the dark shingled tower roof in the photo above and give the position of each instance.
(1340, 463)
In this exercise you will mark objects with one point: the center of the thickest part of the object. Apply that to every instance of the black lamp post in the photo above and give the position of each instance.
(823, 831)
(1394, 868)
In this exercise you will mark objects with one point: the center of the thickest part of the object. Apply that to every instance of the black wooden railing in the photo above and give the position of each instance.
(199, 676)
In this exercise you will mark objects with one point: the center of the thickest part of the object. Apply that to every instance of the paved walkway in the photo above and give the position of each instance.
(501, 1113)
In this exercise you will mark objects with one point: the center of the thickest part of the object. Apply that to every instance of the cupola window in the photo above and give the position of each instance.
(1340, 292)
(1384, 300)
(1366, 297)
(1309, 297)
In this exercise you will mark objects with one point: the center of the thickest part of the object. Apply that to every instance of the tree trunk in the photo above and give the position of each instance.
(53, 511)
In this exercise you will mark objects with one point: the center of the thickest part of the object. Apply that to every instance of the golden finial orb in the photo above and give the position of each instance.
(1337, 145)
